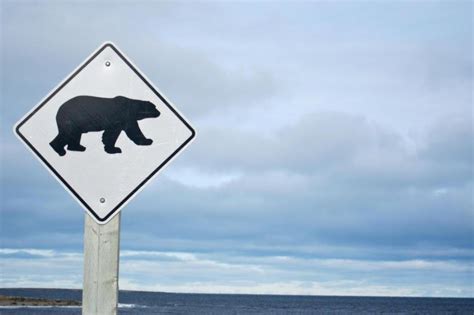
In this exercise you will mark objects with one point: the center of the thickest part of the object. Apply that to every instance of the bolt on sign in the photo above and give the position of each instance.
(105, 132)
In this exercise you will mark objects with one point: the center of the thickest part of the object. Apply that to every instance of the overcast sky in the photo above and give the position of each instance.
(334, 152)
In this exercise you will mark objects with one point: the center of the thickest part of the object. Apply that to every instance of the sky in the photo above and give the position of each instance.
(334, 148)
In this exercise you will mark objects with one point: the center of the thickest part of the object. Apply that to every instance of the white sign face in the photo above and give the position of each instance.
(105, 132)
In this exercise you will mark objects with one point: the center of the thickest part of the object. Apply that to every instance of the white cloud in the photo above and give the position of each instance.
(214, 273)
(197, 178)
(31, 251)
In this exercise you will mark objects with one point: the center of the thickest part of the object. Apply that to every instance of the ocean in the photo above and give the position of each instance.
(134, 302)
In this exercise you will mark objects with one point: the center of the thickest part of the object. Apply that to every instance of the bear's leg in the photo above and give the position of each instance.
(58, 144)
(135, 134)
(109, 137)
(74, 143)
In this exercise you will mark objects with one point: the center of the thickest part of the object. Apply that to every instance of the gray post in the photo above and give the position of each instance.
(101, 266)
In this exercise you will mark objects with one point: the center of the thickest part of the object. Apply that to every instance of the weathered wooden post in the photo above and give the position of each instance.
(101, 266)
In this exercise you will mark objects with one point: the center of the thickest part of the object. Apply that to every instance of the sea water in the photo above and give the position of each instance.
(133, 302)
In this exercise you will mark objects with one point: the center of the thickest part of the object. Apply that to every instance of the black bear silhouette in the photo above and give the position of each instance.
(83, 114)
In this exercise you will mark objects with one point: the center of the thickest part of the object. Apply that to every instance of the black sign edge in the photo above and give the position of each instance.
(63, 181)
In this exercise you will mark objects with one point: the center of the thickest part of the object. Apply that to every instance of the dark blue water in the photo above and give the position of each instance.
(133, 302)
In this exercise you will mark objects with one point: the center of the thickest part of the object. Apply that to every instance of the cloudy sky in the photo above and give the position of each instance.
(334, 151)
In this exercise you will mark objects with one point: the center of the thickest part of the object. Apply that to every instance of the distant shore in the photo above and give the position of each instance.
(26, 301)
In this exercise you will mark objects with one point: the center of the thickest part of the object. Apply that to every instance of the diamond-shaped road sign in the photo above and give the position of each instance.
(104, 132)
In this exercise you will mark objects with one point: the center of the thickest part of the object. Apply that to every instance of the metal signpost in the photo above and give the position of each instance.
(104, 133)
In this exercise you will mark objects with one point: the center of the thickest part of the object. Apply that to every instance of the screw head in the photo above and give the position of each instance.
(102, 200)
(107, 63)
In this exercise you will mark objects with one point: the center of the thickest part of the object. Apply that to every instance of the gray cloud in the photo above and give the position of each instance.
(362, 185)
(332, 179)
(182, 70)
(343, 143)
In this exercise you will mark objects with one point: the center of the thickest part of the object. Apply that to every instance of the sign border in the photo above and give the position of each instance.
(160, 95)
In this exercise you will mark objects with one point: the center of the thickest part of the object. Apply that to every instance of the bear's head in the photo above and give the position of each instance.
(145, 109)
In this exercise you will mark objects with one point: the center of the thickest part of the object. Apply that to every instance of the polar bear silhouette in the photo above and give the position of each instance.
(84, 114)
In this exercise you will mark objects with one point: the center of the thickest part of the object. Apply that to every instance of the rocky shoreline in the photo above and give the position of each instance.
(26, 301)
